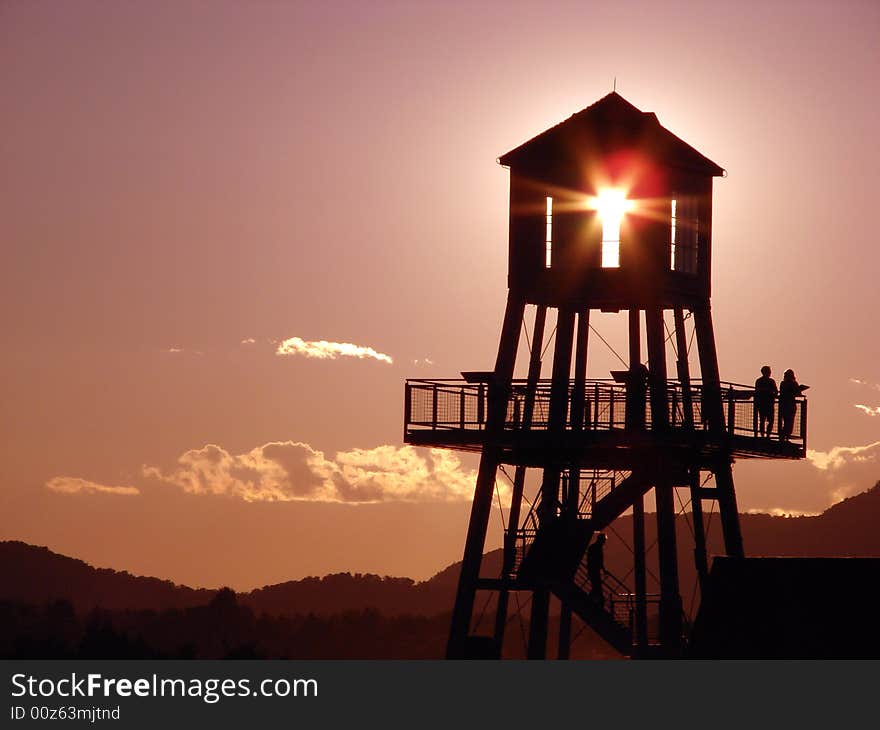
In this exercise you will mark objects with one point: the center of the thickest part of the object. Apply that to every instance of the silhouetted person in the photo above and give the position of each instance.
(765, 400)
(595, 567)
(636, 396)
(789, 390)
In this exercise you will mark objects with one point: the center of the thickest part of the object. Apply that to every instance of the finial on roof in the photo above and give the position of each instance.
(614, 85)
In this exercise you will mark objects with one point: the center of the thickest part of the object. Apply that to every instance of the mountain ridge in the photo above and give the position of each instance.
(36, 575)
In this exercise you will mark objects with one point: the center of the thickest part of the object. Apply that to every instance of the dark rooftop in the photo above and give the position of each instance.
(608, 124)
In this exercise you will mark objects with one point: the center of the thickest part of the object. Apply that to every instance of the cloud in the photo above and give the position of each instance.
(870, 410)
(248, 341)
(177, 350)
(859, 381)
(810, 485)
(287, 471)
(424, 362)
(841, 456)
(75, 485)
(323, 350)
(846, 470)
(779, 512)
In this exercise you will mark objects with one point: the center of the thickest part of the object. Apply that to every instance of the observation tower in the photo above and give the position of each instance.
(609, 212)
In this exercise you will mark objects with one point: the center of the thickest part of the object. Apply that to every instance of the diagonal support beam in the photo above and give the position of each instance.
(620, 499)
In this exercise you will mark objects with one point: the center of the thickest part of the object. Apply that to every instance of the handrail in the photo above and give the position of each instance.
(455, 404)
(595, 485)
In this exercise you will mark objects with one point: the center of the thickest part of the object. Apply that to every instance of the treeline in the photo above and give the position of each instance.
(220, 629)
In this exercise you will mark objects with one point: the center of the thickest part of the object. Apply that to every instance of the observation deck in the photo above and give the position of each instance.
(452, 414)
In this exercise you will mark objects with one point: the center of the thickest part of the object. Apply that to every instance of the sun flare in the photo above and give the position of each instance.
(612, 205)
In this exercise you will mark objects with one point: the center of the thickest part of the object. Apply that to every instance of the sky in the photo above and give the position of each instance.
(231, 230)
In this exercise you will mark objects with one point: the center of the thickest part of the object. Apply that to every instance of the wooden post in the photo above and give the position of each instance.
(461, 408)
(574, 475)
(550, 485)
(457, 646)
(657, 369)
(407, 408)
(561, 370)
(580, 371)
(700, 558)
(520, 474)
(731, 411)
(635, 339)
(639, 561)
(711, 403)
(640, 575)
(670, 599)
(564, 632)
(537, 648)
(683, 368)
(804, 424)
(733, 543)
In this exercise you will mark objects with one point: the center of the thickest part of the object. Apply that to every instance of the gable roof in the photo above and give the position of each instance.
(608, 123)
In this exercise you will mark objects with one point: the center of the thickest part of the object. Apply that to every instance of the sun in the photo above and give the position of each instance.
(612, 205)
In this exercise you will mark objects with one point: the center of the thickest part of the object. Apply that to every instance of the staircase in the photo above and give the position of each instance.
(612, 630)
(551, 551)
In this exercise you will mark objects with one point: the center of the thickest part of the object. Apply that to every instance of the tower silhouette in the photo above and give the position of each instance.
(609, 211)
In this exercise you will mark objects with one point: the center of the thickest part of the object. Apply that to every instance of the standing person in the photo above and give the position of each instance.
(765, 400)
(595, 567)
(789, 390)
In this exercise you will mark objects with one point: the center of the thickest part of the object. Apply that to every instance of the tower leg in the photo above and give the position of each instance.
(572, 497)
(711, 396)
(657, 369)
(700, 558)
(520, 474)
(670, 599)
(564, 632)
(547, 508)
(733, 543)
(639, 563)
(578, 395)
(640, 576)
(683, 368)
(457, 646)
(537, 648)
(568, 513)
(635, 339)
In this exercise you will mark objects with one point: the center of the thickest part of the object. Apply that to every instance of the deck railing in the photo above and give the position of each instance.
(461, 405)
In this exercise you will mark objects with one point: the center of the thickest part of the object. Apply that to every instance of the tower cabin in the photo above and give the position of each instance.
(609, 210)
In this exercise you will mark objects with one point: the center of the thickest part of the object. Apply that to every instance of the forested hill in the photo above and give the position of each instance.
(36, 575)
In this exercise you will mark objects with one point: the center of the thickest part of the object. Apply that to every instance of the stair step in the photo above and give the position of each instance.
(602, 622)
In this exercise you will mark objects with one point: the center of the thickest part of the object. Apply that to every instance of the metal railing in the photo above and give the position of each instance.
(444, 405)
(617, 598)
(594, 486)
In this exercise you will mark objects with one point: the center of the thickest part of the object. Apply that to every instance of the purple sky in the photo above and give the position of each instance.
(180, 178)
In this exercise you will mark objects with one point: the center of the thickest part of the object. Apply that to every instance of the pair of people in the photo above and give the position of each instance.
(765, 399)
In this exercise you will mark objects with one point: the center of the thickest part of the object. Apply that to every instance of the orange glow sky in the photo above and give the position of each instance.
(189, 186)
